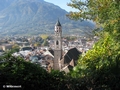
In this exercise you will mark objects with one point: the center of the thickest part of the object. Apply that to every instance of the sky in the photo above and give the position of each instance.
(62, 4)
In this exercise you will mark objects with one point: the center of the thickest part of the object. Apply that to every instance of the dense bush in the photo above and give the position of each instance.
(16, 71)
(101, 65)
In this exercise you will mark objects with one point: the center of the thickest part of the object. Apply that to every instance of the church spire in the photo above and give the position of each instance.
(57, 45)
(58, 23)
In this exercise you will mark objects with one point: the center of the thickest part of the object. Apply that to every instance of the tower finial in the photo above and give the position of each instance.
(58, 23)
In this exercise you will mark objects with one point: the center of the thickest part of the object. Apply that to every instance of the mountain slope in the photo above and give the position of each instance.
(33, 17)
(5, 3)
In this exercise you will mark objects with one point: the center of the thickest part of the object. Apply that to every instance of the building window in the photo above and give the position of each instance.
(57, 42)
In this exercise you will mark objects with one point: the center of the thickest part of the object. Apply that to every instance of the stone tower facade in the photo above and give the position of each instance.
(57, 46)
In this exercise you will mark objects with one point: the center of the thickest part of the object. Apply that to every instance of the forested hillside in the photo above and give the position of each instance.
(33, 17)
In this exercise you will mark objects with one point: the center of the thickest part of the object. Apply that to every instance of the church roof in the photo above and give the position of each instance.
(72, 54)
(58, 23)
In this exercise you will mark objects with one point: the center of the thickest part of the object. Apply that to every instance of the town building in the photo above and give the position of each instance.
(63, 60)
(6, 47)
(57, 46)
(61, 54)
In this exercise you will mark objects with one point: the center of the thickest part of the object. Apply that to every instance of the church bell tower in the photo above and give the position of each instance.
(57, 46)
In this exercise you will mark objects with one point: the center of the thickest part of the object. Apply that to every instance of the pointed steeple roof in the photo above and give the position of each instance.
(58, 23)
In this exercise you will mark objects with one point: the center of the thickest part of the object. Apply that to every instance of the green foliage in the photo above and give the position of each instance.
(44, 36)
(103, 12)
(100, 65)
(45, 43)
(37, 44)
(103, 55)
(16, 71)
(13, 50)
(71, 38)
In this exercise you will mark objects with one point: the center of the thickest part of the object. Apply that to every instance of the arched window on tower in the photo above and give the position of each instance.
(57, 42)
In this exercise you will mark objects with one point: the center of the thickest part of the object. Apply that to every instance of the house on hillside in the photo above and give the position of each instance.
(6, 47)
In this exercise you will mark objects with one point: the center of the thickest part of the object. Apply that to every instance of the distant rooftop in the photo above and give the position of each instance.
(26, 48)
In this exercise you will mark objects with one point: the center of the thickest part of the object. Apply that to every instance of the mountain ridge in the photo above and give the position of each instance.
(34, 17)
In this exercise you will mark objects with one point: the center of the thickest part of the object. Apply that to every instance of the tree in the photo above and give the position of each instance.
(16, 47)
(44, 36)
(16, 71)
(37, 44)
(103, 12)
(101, 64)
(45, 43)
